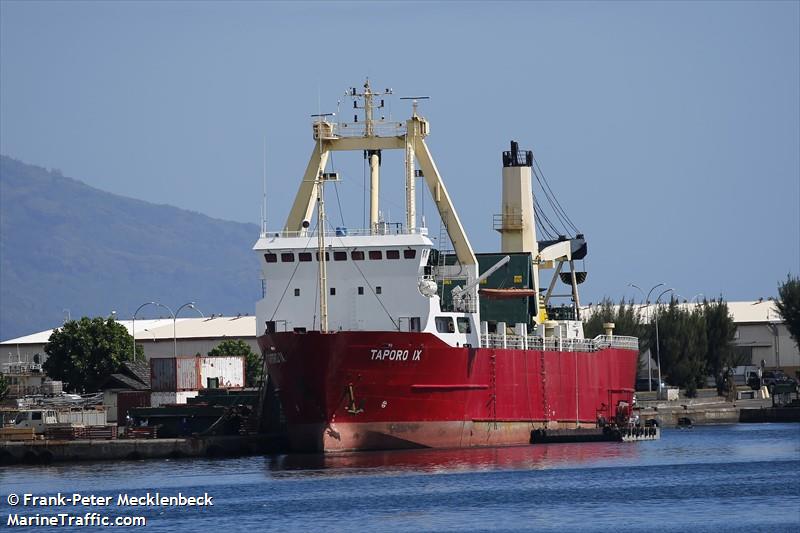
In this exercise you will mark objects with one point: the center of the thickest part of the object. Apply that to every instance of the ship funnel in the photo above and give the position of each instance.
(516, 221)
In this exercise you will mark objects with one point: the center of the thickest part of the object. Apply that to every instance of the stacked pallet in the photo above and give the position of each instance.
(64, 432)
(143, 432)
(101, 432)
(17, 434)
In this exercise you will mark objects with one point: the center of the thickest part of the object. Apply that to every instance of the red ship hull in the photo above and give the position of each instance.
(390, 390)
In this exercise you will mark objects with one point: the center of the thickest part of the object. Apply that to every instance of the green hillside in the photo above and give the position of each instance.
(65, 245)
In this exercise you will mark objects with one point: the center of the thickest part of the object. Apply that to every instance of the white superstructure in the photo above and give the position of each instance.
(375, 283)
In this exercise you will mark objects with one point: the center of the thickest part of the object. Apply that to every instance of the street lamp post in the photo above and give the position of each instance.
(190, 305)
(133, 326)
(646, 302)
(658, 351)
(170, 313)
(635, 286)
(649, 369)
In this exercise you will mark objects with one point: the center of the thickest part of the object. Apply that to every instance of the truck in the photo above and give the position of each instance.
(40, 419)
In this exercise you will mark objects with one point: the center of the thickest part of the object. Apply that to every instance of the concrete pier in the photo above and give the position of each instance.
(702, 410)
(48, 451)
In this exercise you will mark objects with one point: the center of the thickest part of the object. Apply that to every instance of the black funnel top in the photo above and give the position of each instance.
(515, 158)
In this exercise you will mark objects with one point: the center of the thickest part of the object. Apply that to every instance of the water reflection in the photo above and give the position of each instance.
(531, 457)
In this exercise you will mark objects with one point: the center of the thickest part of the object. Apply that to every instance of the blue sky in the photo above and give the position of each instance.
(669, 131)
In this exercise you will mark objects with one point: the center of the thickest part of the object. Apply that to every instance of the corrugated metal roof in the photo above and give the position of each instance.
(758, 311)
(742, 312)
(34, 338)
(203, 328)
(160, 329)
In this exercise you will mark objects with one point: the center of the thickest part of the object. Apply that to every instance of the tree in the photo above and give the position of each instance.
(626, 318)
(788, 305)
(83, 353)
(682, 345)
(721, 355)
(253, 365)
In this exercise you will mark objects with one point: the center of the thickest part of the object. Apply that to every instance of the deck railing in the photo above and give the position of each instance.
(380, 128)
(518, 342)
(382, 229)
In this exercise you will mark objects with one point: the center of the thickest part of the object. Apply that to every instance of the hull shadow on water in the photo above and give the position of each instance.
(444, 460)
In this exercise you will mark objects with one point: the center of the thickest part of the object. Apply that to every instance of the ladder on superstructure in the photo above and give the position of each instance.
(445, 247)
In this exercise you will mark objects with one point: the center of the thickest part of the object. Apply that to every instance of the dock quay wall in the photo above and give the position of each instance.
(48, 451)
(669, 417)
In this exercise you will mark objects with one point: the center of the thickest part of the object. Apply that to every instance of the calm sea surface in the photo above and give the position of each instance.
(712, 478)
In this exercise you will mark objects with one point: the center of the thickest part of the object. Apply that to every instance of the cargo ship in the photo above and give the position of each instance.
(389, 337)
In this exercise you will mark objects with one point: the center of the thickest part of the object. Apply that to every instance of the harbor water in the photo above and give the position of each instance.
(709, 478)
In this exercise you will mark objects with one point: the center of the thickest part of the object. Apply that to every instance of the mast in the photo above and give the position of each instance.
(373, 156)
(341, 136)
(411, 173)
(323, 270)
(411, 208)
(264, 192)
(320, 127)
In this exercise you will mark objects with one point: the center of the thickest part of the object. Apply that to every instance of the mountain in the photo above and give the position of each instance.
(67, 246)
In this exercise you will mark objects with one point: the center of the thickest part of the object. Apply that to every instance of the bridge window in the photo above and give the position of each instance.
(340, 256)
(375, 254)
(287, 257)
(357, 256)
(444, 324)
(409, 254)
(464, 325)
(377, 290)
(333, 291)
(304, 257)
(392, 254)
(297, 292)
(327, 256)
(271, 258)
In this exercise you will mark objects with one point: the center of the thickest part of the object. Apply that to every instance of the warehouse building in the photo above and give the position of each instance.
(158, 338)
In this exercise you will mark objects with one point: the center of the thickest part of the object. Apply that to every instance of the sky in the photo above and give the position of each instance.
(669, 131)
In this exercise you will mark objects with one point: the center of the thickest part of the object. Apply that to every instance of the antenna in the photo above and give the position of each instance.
(368, 106)
(264, 196)
(415, 101)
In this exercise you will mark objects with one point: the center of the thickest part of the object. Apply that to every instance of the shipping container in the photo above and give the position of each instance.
(162, 374)
(228, 371)
(186, 373)
(169, 374)
(157, 399)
